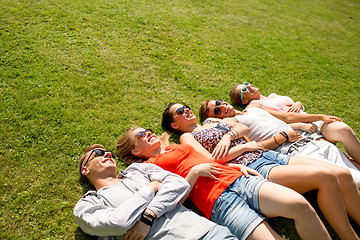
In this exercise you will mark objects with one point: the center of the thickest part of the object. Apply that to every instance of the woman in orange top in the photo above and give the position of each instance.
(223, 193)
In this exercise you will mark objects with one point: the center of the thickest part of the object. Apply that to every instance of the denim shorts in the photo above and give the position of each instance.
(219, 232)
(238, 208)
(267, 161)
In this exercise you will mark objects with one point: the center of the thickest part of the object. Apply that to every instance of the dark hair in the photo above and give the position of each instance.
(236, 98)
(84, 156)
(167, 118)
(204, 111)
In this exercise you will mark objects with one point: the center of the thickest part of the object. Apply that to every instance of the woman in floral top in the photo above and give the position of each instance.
(225, 142)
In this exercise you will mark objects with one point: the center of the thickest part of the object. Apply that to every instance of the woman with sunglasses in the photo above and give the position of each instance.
(267, 125)
(302, 174)
(223, 193)
(246, 93)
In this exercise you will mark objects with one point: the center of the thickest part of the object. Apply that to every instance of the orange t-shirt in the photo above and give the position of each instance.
(180, 159)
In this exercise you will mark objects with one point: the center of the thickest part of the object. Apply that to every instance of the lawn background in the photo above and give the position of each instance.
(74, 73)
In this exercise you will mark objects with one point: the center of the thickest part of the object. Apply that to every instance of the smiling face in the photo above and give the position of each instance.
(220, 110)
(182, 116)
(98, 163)
(146, 143)
(249, 93)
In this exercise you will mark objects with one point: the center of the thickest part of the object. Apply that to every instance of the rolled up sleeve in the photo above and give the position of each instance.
(95, 218)
(172, 189)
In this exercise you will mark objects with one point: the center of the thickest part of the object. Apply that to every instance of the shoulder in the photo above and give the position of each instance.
(273, 95)
(89, 198)
(254, 103)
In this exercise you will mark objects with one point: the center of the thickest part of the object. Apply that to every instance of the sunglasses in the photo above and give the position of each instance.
(217, 110)
(181, 110)
(244, 90)
(98, 153)
(142, 134)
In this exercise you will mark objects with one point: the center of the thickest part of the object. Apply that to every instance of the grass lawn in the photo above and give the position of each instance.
(74, 73)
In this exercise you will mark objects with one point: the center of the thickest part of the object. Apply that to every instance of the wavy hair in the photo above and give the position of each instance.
(126, 144)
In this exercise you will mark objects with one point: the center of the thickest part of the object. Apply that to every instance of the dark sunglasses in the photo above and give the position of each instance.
(217, 110)
(181, 109)
(142, 134)
(99, 152)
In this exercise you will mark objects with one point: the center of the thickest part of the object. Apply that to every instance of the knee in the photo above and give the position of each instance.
(301, 206)
(328, 177)
(345, 177)
(344, 130)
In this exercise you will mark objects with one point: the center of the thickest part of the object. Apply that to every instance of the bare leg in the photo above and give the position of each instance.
(264, 231)
(276, 200)
(303, 178)
(341, 132)
(349, 190)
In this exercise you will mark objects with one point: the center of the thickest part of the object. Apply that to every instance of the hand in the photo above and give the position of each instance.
(293, 136)
(222, 148)
(155, 185)
(138, 231)
(308, 127)
(253, 146)
(207, 170)
(296, 107)
(330, 119)
(245, 170)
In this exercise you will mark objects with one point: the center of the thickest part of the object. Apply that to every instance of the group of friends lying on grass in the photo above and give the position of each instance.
(237, 167)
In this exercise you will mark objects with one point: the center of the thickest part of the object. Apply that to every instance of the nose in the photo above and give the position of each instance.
(222, 106)
(108, 155)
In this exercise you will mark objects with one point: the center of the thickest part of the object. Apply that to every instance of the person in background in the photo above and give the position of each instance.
(265, 124)
(338, 131)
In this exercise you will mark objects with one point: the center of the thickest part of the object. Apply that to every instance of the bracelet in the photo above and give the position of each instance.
(276, 141)
(285, 135)
(234, 134)
(146, 220)
(148, 215)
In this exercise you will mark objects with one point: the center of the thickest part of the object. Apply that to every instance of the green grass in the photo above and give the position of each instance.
(73, 73)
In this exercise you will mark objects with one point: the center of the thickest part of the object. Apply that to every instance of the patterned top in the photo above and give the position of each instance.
(209, 138)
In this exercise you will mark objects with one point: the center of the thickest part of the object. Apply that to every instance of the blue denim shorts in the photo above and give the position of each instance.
(219, 232)
(267, 161)
(238, 208)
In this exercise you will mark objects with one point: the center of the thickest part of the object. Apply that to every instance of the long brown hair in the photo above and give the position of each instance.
(204, 111)
(126, 143)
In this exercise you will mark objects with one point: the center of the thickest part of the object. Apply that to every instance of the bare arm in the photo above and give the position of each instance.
(290, 117)
(279, 139)
(296, 107)
(233, 152)
(308, 127)
(239, 130)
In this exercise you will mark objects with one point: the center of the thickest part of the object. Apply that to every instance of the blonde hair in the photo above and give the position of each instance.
(126, 144)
